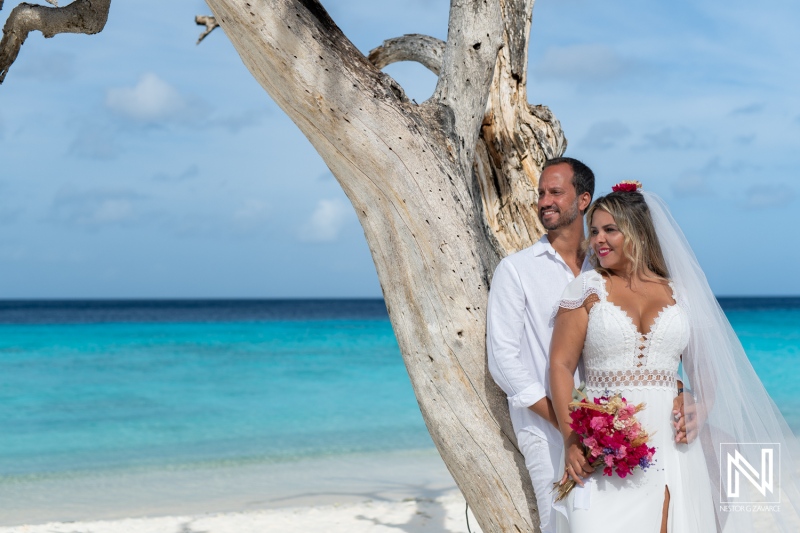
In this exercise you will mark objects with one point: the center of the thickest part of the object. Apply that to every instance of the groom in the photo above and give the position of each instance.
(525, 289)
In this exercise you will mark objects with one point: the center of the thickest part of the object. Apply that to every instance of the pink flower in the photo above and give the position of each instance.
(607, 435)
(597, 423)
(623, 470)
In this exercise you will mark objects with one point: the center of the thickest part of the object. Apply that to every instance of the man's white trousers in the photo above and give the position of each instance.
(541, 460)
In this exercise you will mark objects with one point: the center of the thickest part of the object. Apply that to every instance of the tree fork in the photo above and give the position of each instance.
(442, 189)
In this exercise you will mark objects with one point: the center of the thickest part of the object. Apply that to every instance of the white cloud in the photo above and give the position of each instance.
(605, 134)
(94, 142)
(751, 109)
(768, 196)
(153, 101)
(193, 225)
(94, 208)
(251, 212)
(150, 101)
(671, 138)
(735, 166)
(327, 220)
(191, 171)
(692, 185)
(49, 66)
(234, 123)
(697, 182)
(581, 63)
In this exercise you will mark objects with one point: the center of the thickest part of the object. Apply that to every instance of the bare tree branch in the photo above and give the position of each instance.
(81, 16)
(404, 169)
(517, 139)
(517, 18)
(423, 49)
(209, 22)
(474, 36)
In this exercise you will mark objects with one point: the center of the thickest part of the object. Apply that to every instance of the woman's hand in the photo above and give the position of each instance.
(576, 466)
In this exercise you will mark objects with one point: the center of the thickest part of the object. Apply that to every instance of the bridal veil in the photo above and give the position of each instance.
(753, 459)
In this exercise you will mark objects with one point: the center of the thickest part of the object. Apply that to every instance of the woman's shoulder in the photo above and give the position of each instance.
(589, 282)
(587, 279)
(579, 290)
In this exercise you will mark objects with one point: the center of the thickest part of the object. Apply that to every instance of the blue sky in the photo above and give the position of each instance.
(136, 164)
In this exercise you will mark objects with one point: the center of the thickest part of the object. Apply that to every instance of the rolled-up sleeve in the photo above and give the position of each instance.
(505, 325)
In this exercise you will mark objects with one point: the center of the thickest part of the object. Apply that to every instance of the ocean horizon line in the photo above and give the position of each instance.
(259, 299)
(233, 310)
(194, 299)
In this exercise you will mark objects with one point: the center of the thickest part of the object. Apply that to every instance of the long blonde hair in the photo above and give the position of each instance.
(633, 219)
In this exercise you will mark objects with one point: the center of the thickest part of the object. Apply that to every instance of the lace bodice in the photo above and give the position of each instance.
(615, 354)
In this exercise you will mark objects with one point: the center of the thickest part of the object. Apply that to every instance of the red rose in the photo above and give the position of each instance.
(624, 187)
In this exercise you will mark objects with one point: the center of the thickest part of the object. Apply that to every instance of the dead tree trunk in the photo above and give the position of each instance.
(443, 190)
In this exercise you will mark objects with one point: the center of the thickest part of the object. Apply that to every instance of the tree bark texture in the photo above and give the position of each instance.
(81, 16)
(442, 189)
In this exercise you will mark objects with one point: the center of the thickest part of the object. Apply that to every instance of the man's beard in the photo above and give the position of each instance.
(566, 218)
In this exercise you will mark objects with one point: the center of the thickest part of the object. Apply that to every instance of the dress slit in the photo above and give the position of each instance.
(665, 510)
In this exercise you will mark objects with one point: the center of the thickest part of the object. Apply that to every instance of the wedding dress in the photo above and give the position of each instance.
(642, 366)
(721, 481)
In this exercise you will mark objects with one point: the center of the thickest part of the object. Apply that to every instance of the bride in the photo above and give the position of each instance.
(643, 313)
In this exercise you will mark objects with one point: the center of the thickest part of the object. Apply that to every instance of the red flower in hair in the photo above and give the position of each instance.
(627, 186)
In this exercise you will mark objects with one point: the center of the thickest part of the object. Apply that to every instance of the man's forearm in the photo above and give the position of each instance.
(544, 408)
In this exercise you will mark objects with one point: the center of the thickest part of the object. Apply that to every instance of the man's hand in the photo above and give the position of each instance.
(685, 418)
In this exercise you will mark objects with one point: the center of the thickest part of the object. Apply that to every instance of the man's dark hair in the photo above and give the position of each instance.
(582, 176)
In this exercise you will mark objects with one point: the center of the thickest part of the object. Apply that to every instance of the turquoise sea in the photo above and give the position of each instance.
(99, 386)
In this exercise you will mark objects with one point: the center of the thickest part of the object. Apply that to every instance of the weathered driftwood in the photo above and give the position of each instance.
(443, 189)
(516, 137)
(81, 16)
(209, 22)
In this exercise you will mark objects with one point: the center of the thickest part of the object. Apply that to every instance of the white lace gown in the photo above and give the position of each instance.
(617, 357)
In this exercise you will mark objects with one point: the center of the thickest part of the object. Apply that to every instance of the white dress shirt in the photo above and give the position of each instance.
(525, 290)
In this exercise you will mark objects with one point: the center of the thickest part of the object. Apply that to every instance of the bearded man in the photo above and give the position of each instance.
(525, 289)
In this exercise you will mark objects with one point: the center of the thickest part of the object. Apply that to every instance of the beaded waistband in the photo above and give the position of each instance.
(632, 377)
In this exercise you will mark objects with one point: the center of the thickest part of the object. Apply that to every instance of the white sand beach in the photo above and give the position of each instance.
(442, 515)
(398, 491)
(410, 492)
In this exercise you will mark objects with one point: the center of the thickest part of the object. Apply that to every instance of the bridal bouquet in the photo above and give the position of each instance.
(610, 434)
